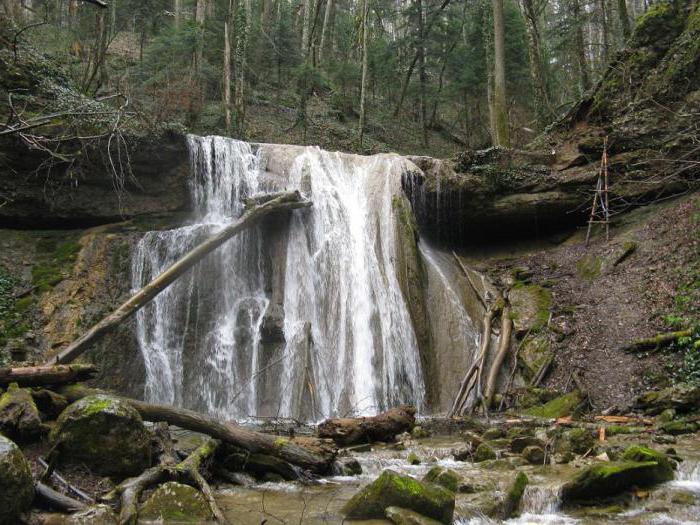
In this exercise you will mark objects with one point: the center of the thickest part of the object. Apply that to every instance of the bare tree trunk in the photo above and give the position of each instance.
(503, 347)
(537, 64)
(285, 201)
(421, 72)
(624, 18)
(227, 72)
(605, 32)
(200, 17)
(382, 427)
(324, 30)
(580, 45)
(177, 12)
(47, 375)
(501, 132)
(363, 89)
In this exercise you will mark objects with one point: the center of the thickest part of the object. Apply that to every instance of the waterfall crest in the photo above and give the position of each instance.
(347, 342)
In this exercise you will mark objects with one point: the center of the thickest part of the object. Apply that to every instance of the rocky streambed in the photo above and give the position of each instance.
(95, 460)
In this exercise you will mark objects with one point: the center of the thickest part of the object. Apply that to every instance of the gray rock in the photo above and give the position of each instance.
(16, 485)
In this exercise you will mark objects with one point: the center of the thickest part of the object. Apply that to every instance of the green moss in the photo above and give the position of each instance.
(614, 430)
(447, 478)
(588, 267)
(565, 405)
(176, 502)
(280, 442)
(643, 454)
(483, 453)
(55, 268)
(514, 495)
(658, 26)
(14, 313)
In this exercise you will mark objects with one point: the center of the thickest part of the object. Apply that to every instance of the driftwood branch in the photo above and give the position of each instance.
(251, 217)
(56, 500)
(468, 275)
(254, 442)
(47, 375)
(503, 347)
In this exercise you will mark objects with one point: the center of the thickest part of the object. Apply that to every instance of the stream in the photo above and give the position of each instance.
(293, 502)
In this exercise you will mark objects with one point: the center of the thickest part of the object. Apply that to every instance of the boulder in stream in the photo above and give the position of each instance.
(391, 489)
(444, 477)
(640, 467)
(94, 515)
(105, 433)
(16, 485)
(176, 502)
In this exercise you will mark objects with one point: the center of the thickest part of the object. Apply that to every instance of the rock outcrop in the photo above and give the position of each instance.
(16, 485)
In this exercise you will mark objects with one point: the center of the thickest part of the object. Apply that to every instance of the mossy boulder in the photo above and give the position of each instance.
(682, 397)
(19, 416)
(518, 444)
(176, 502)
(605, 480)
(391, 489)
(444, 477)
(348, 466)
(576, 441)
(676, 428)
(105, 433)
(483, 453)
(535, 353)
(413, 459)
(643, 454)
(566, 405)
(530, 305)
(493, 433)
(531, 396)
(16, 485)
(514, 496)
(401, 516)
(533, 455)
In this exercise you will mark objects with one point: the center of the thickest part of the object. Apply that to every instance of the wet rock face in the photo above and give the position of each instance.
(16, 485)
(176, 502)
(104, 433)
(391, 489)
(85, 196)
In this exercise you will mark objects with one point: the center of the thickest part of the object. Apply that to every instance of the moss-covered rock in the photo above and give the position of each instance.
(176, 502)
(682, 397)
(493, 433)
(530, 305)
(676, 428)
(576, 441)
(420, 432)
(16, 485)
(401, 516)
(533, 455)
(600, 481)
(483, 453)
(19, 416)
(518, 444)
(391, 489)
(348, 466)
(105, 433)
(514, 496)
(643, 454)
(445, 477)
(413, 459)
(565, 405)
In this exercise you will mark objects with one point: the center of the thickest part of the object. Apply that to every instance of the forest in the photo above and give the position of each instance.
(410, 262)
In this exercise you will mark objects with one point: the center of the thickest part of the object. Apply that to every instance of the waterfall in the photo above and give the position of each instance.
(348, 345)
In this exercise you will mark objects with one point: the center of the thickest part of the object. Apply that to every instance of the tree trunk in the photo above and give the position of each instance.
(47, 375)
(421, 72)
(363, 89)
(624, 18)
(605, 32)
(177, 12)
(56, 500)
(324, 30)
(503, 347)
(537, 64)
(251, 217)
(382, 427)
(315, 458)
(227, 71)
(580, 46)
(501, 132)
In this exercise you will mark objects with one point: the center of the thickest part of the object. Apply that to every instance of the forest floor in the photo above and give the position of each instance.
(598, 308)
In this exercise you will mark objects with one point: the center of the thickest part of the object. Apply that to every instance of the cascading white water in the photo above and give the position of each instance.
(200, 338)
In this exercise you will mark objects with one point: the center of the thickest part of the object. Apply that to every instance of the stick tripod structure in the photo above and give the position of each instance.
(600, 211)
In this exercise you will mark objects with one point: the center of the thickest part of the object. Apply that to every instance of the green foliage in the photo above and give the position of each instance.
(14, 313)
(56, 266)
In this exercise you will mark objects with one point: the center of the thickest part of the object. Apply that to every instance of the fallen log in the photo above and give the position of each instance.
(382, 427)
(658, 341)
(255, 442)
(47, 375)
(252, 216)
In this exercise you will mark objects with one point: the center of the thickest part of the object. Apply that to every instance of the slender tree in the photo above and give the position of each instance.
(363, 90)
(501, 133)
(532, 10)
(624, 18)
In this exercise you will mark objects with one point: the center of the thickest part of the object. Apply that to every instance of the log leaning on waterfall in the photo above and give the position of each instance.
(382, 427)
(318, 460)
(253, 214)
(47, 375)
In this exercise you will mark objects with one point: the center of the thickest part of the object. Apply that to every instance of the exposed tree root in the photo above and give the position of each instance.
(503, 348)
(658, 341)
(56, 500)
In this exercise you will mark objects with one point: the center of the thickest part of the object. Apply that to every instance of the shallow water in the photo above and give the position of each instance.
(292, 502)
